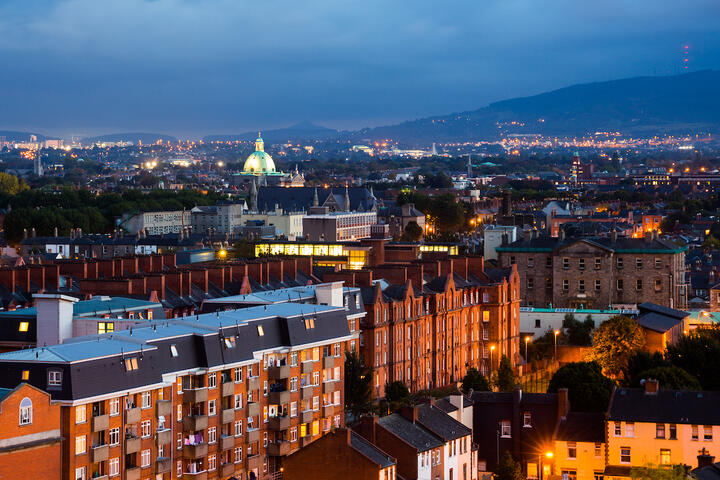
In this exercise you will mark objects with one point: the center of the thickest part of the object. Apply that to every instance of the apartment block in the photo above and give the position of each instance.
(228, 393)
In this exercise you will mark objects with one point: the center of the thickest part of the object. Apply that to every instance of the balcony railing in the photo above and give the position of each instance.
(308, 367)
(307, 392)
(277, 424)
(100, 453)
(195, 395)
(331, 386)
(162, 465)
(307, 416)
(279, 373)
(227, 416)
(100, 423)
(164, 436)
(193, 452)
(253, 435)
(227, 442)
(227, 470)
(253, 409)
(253, 383)
(278, 449)
(195, 476)
(279, 398)
(195, 422)
(228, 389)
(132, 415)
(329, 362)
(254, 461)
(132, 473)
(132, 444)
(164, 407)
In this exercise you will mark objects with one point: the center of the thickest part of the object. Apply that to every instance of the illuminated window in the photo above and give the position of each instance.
(261, 332)
(25, 374)
(25, 411)
(131, 364)
(665, 456)
(106, 327)
(23, 326)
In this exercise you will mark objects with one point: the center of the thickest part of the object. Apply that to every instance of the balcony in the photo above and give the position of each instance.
(195, 476)
(279, 398)
(278, 449)
(331, 386)
(132, 444)
(307, 392)
(253, 383)
(100, 477)
(307, 416)
(277, 424)
(132, 415)
(253, 435)
(99, 453)
(305, 441)
(227, 442)
(162, 465)
(228, 389)
(100, 423)
(195, 395)
(132, 473)
(193, 452)
(253, 409)
(227, 470)
(164, 436)
(308, 367)
(328, 410)
(164, 408)
(329, 362)
(254, 462)
(227, 416)
(279, 373)
(194, 423)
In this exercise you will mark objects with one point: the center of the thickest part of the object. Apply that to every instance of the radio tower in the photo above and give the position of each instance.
(686, 56)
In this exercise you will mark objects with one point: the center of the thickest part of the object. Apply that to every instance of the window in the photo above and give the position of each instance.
(530, 283)
(261, 332)
(665, 456)
(25, 375)
(114, 436)
(81, 473)
(673, 432)
(527, 419)
(114, 406)
(293, 409)
(572, 450)
(23, 327)
(179, 468)
(25, 411)
(619, 284)
(173, 351)
(212, 380)
(658, 263)
(707, 433)
(114, 466)
(598, 450)
(80, 444)
(179, 413)
(618, 429)
(131, 364)
(146, 399)
(566, 285)
(624, 454)
(598, 262)
(569, 475)
(694, 429)
(238, 401)
(237, 457)
(293, 384)
(106, 327)
(658, 284)
(581, 264)
(548, 262)
(660, 430)
(145, 458)
(238, 428)
(81, 414)
(597, 284)
(505, 428)
(212, 407)
(530, 262)
(619, 262)
(212, 462)
(638, 284)
(54, 378)
(537, 323)
(566, 263)
(630, 429)
(581, 285)
(212, 434)
(145, 428)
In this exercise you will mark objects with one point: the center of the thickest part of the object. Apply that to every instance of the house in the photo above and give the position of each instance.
(662, 326)
(579, 452)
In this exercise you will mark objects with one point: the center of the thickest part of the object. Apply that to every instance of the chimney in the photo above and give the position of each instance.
(651, 386)
(54, 318)
(561, 234)
(705, 459)
(330, 294)
(368, 427)
(613, 236)
(563, 402)
(411, 413)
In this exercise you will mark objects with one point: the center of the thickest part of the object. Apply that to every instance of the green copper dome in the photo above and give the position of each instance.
(259, 162)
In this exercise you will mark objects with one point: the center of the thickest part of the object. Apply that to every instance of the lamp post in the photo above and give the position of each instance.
(549, 455)
(492, 349)
(556, 332)
(527, 339)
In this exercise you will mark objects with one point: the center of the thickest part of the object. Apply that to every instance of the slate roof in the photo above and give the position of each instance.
(658, 318)
(622, 244)
(440, 423)
(507, 397)
(665, 406)
(410, 432)
(710, 472)
(370, 451)
(582, 427)
(4, 392)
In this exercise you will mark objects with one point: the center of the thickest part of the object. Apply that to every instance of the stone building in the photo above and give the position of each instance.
(598, 272)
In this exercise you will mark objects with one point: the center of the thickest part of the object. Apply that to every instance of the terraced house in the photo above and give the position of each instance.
(213, 396)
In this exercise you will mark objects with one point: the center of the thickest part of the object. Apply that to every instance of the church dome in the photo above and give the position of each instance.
(259, 162)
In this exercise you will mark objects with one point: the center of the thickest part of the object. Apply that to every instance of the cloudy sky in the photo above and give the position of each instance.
(193, 67)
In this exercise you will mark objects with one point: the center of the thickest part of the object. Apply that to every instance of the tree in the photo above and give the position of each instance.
(588, 389)
(358, 390)
(475, 380)
(397, 392)
(243, 249)
(642, 361)
(508, 469)
(578, 333)
(614, 342)
(699, 355)
(505, 376)
(653, 472)
(11, 185)
(413, 231)
(670, 377)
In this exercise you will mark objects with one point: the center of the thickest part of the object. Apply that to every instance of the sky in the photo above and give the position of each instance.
(196, 67)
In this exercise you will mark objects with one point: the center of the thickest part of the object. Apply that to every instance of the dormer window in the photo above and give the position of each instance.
(131, 364)
(261, 332)
(173, 351)
(54, 378)
(309, 323)
(230, 342)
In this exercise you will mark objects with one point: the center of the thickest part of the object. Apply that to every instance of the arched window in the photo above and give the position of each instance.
(25, 411)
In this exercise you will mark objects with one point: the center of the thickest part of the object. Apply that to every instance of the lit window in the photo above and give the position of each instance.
(505, 428)
(131, 364)
(173, 351)
(25, 374)
(25, 411)
(23, 327)
(106, 327)
(81, 414)
(665, 456)
(261, 332)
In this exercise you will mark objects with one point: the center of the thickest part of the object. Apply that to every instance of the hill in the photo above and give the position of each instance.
(13, 136)
(679, 104)
(135, 138)
(300, 131)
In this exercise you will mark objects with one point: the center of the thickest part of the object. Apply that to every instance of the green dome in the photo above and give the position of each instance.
(259, 162)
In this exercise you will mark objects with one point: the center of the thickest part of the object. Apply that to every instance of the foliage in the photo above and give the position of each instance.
(699, 355)
(358, 389)
(475, 380)
(243, 249)
(588, 389)
(505, 381)
(652, 472)
(642, 361)
(447, 212)
(397, 391)
(508, 469)
(11, 185)
(578, 333)
(413, 231)
(670, 377)
(614, 342)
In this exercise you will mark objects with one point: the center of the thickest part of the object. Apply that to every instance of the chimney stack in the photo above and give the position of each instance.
(705, 459)
(651, 386)
(411, 413)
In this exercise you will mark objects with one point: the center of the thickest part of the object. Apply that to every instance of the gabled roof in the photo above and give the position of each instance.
(440, 423)
(370, 451)
(658, 318)
(665, 406)
(410, 432)
(710, 472)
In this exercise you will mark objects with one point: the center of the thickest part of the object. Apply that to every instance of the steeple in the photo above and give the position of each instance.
(316, 202)
(253, 197)
(259, 144)
(347, 199)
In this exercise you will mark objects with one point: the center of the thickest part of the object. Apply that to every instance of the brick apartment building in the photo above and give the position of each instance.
(29, 434)
(597, 272)
(428, 321)
(211, 396)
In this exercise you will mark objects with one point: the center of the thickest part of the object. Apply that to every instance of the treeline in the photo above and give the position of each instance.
(79, 208)
(444, 211)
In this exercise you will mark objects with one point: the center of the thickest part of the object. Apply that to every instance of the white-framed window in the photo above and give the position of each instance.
(212, 462)
(212, 434)
(293, 384)
(238, 428)
(26, 413)
(527, 419)
(238, 375)
(316, 403)
(145, 428)
(114, 406)
(145, 458)
(293, 434)
(505, 429)
(114, 466)
(81, 473)
(114, 436)
(238, 454)
(212, 380)
(625, 455)
(212, 407)
(238, 401)
(179, 468)
(80, 444)
(630, 429)
(146, 399)
(81, 414)
(54, 378)
(293, 409)
(571, 450)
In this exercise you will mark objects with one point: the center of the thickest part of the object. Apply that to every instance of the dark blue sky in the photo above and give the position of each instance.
(193, 67)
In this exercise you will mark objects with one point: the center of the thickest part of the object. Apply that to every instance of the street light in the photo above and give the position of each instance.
(556, 332)
(527, 339)
(492, 349)
(549, 455)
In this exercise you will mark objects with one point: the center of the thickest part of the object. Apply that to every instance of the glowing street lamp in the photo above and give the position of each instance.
(527, 339)
(556, 332)
(492, 349)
